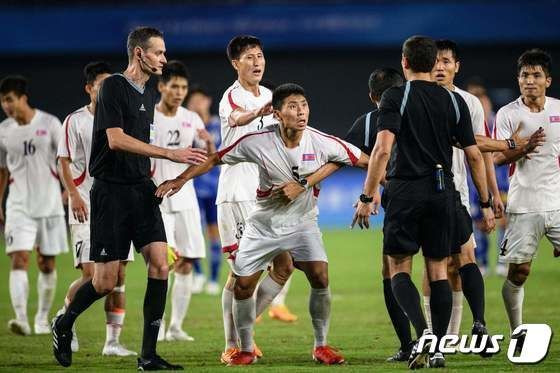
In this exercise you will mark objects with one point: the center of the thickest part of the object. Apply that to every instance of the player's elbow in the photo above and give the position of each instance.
(473, 154)
(114, 142)
(499, 159)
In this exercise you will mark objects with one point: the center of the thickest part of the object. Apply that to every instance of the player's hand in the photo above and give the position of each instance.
(498, 207)
(266, 109)
(287, 192)
(78, 207)
(188, 155)
(536, 139)
(170, 187)
(364, 210)
(488, 221)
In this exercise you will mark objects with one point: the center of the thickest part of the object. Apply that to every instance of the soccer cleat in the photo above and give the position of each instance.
(62, 341)
(213, 288)
(41, 326)
(174, 334)
(228, 354)
(257, 351)
(198, 283)
(242, 358)
(400, 355)
(116, 349)
(156, 363)
(419, 358)
(327, 355)
(161, 331)
(281, 313)
(436, 361)
(479, 330)
(19, 327)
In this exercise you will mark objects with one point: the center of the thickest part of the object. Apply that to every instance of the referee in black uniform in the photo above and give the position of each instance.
(425, 121)
(123, 206)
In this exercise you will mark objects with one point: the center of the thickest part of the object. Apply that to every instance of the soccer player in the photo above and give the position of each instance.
(423, 121)
(206, 186)
(34, 213)
(123, 207)
(74, 151)
(245, 107)
(533, 208)
(283, 153)
(177, 127)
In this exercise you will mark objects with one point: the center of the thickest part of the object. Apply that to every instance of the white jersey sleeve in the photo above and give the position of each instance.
(337, 150)
(504, 127)
(69, 141)
(56, 133)
(2, 146)
(239, 151)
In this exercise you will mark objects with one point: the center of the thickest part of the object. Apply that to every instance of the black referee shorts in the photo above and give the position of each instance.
(121, 214)
(463, 227)
(416, 216)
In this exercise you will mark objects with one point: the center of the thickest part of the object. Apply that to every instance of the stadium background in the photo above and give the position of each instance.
(329, 47)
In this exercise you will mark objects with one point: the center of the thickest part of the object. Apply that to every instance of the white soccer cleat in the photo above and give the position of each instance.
(19, 327)
(116, 349)
(41, 326)
(198, 283)
(74, 345)
(161, 332)
(177, 335)
(213, 288)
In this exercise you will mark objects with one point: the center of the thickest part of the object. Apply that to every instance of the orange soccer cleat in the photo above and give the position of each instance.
(281, 313)
(228, 354)
(242, 358)
(327, 355)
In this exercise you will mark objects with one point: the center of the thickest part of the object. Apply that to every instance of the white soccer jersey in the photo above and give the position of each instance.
(29, 153)
(75, 144)
(179, 131)
(238, 182)
(278, 165)
(459, 167)
(534, 183)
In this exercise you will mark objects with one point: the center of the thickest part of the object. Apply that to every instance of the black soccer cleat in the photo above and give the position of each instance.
(436, 361)
(62, 342)
(419, 358)
(401, 355)
(156, 363)
(479, 330)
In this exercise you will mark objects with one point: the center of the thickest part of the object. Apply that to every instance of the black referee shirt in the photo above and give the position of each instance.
(427, 121)
(363, 132)
(121, 103)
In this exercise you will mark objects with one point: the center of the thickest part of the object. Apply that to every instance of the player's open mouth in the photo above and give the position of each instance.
(440, 76)
(257, 71)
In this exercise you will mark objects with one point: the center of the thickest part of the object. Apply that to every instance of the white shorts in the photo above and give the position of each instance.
(80, 238)
(184, 233)
(524, 232)
(231, 222)
(24, 233)
(255, 254)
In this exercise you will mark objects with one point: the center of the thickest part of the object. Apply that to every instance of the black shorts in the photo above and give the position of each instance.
(121, 214)
(417, 216)
(463, 227)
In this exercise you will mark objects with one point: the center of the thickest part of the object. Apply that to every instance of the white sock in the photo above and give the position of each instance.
(267, 290)
(180, 299)
(19, 292)
(280, 299)
(428, 312)
(115, 320)
(46, 287)
(320, 311)
(244, 315)
(456, 313)
(513, 299)
(227, 315)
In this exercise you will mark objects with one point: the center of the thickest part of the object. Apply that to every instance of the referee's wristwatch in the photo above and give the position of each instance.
(365, 198)
(303, 182)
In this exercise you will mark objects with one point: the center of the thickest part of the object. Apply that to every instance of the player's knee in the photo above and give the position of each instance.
(20, 260)
(282, 273)
(319, 279)
(518, 273)
(104, 285)
(46, 264)
(244, 288)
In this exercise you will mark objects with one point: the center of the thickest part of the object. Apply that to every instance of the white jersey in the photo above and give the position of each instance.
(459, 167)
(29, 153)
(238, 182)
(75, 144)
(534, 183)
(278, 165)
(179, 131)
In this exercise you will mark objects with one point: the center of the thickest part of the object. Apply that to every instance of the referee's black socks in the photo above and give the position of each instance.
(85, 297)
(473, 289)
(398, 317)
(408, 298)
(154, 306)
(441, 302)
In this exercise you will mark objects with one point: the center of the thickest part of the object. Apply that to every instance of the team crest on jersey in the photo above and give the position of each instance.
(41, 132)
(308, 157)
(554, 118)
(186, 124)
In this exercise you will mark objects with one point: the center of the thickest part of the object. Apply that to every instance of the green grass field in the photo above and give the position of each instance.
(360, 326)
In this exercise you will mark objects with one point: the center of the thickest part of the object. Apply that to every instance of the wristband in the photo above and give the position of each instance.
(365, 199)
(511, 144)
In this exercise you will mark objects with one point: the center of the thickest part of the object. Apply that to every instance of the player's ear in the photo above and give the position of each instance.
(548, 81)
(88, 88)
(235, 64)
(161, 86)
(404, 62)
(457, 66)
(277, 115)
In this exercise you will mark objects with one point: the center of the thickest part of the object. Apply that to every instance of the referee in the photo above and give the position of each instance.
(123, 206)
(424, 121)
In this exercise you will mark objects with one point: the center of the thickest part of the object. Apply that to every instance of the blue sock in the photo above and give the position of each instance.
(197, 267)
(481, 251)
(215, 260)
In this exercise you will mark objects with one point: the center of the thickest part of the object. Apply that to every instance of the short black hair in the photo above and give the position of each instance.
(382, 79)
(535, 57)
(139, 38)
(93, 69)
(239, 44)
(174, 69)
(421, 53)
(283, 91)
(14, 83)
(448, 45)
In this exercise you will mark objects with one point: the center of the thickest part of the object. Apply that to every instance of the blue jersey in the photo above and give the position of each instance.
(207, 185)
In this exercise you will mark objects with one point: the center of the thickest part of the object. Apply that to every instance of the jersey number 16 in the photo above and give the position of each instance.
(28, 148)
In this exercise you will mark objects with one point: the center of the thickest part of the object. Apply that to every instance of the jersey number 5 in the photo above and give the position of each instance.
(28, 148)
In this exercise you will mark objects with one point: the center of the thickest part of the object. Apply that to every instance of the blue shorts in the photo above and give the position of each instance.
(208, 208)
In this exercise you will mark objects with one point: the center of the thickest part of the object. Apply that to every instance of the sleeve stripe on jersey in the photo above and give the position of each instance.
(351, 155)
(234, 106)
(222, 152)
(80, 179)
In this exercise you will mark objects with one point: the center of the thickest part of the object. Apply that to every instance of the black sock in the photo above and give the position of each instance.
(408, 298)
(154, 305)
(473, 288)
(440, 304)
(85, 297)
(398, 317)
